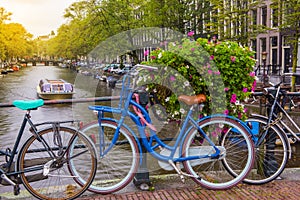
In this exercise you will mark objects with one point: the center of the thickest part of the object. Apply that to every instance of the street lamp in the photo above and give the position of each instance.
(264, 59)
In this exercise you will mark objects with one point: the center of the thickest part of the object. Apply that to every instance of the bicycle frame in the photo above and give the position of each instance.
(10, 155)
(147, 141)
(273, 115)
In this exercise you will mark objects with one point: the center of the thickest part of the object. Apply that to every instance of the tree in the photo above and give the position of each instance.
(4, 16)
(16, 41)
(288, 15)
(232, 20)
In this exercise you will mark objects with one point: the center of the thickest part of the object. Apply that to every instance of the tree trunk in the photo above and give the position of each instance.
(294, 63)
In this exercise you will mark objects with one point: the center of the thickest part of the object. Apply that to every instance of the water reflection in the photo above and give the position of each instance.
(22, 85)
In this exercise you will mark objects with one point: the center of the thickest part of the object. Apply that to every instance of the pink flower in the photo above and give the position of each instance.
(226, 89)
(252, 74)
(245, 89)
(172, 78)
(226, 112)
(233, 98)
(225, 130)
(239, 115)
(152, 76)
(214, 134)
(191, 33)
(232, 58)
(245, 110)
(192, 49)
(253, 86)
(211, 57)
(153, 57)
(209, 71)
(217, 73)
(146, 53)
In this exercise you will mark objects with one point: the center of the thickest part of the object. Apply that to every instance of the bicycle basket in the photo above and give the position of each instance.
(130, 82)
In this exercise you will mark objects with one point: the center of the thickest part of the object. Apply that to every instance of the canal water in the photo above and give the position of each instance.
(21, 85)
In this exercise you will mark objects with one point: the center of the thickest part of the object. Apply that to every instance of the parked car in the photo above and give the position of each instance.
(114, 68)
(106, 68)
(126, 69)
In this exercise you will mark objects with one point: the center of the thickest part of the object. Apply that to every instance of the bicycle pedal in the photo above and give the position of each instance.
(16, 189)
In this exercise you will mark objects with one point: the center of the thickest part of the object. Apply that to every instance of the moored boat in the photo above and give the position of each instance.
(55, 89)
(3, 71)
(16, 68)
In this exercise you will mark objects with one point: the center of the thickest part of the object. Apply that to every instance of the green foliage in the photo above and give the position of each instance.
(288, 15)
(221, 70)
(15, 40)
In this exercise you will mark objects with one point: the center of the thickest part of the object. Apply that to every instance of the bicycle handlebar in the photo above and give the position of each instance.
(145, 67)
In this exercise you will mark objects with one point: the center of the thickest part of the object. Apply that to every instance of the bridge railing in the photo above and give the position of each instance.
(70, 101)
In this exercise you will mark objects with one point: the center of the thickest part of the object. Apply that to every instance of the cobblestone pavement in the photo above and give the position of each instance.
(283, 189)
(172, 189)
(169, 187)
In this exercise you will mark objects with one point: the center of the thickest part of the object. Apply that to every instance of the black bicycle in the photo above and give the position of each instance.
(272, 134)
(56, 162)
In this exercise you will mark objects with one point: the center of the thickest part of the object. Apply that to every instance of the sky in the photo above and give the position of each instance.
(39, 17)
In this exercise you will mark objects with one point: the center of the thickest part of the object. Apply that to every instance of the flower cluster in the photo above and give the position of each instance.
(229, 61)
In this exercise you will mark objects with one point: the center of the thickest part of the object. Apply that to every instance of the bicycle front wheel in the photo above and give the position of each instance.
(237, 153)
(48, 163)
(271, 154)
(118, 166)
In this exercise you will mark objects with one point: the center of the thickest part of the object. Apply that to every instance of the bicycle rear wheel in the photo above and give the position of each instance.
(117, 168)
(271, 155)
(237, 153)
(48, 163)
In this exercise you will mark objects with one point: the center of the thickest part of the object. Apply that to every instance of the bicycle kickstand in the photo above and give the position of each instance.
(180, 172)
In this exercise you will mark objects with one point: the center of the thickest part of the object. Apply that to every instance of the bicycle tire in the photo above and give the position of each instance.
(269, 163)
(238, 153)
(118, 167)
(59, 182)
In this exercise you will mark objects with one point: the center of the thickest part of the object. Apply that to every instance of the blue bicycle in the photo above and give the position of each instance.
(205, 149)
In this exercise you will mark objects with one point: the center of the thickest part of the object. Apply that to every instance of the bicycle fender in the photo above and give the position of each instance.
(213, 116)
(230, 117)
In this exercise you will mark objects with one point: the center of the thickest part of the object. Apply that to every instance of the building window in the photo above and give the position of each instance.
(263, 43)
(274, 41)
(274, 17)
(254, 17)
(274, 56)
(254, 47)
(264, 16)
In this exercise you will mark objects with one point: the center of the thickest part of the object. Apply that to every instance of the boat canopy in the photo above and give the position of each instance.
(55, 86)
